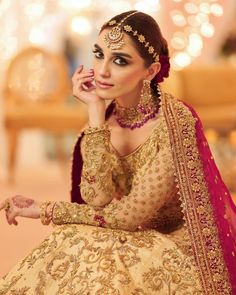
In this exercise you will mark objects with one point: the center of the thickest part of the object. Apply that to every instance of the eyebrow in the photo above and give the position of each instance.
(114, 52)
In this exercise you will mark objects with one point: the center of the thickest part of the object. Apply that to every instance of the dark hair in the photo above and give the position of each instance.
(147, 26)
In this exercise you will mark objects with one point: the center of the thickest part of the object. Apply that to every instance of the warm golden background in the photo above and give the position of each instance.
(41, 44)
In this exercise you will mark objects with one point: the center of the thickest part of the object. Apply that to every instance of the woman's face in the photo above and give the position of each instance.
(119, 73)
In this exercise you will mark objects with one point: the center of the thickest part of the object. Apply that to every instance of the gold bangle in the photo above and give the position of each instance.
(50, 212)
(45, 219)
(103, 128)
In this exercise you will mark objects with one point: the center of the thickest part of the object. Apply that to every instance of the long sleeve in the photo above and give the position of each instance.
(97, 188)
(152, 187)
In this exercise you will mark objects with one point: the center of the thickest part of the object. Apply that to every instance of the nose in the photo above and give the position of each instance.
(104, 70)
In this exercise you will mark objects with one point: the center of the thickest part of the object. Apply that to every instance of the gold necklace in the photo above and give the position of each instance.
(136, 117)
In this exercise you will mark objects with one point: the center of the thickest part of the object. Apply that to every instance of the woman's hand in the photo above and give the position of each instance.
(83, 88)
(20, 206)
(85, 91)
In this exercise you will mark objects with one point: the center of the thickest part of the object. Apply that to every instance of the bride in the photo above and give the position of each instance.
(150, 213)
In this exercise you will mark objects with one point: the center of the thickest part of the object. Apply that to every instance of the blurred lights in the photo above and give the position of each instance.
(4, 5)
(120, 6)
(75, 4)
(195, 45)
(202, 17)
(205, 8)
(179, 41)
(180, 60)
(207, 30)
(81, 25)
(37, 36)
(195, 20)
(8, 47)
(178, 18)
(217, 9)
(191, 8)
(147, 5)
(34, 10)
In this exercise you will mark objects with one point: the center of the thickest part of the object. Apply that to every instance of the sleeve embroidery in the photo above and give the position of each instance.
(97, 188)
(151, 189)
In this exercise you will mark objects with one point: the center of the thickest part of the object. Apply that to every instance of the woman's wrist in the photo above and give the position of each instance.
(96, 113)
(46, 212)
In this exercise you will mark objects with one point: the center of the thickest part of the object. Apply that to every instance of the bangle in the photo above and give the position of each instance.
(45, 218)
(103, 128)
(52, 209)
(50, 212)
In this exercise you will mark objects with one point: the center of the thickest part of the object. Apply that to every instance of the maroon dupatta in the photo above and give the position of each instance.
(209, 212)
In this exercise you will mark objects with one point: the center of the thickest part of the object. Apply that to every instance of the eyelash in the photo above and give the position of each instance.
(123, 61)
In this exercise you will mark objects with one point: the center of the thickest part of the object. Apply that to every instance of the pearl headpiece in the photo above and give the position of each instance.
(114, 39)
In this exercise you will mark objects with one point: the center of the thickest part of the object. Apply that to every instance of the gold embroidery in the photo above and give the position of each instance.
(90, 260)
(195, 201)
(96, 182)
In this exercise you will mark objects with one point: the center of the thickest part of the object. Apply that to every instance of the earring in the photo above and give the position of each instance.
(145, 103)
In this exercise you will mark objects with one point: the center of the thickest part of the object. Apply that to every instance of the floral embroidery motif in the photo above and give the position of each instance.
(90, 260)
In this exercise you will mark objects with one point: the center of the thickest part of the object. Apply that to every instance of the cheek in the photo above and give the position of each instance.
(126, 79)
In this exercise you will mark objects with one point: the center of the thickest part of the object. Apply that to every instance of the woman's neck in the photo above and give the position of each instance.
(130, 100)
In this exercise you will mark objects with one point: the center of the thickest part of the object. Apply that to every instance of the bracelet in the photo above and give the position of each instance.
(103, 128)
(45, 218)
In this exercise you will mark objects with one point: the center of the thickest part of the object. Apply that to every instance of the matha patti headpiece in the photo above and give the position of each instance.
(114, 39)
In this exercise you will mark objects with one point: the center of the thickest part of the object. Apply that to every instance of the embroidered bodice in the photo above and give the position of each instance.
(129, 192)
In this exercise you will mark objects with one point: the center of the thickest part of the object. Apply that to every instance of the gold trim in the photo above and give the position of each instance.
(196, 206)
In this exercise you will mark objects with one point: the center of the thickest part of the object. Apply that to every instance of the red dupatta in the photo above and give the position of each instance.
(209, 212)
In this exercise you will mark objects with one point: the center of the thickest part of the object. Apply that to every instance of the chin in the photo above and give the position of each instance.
(105, 94)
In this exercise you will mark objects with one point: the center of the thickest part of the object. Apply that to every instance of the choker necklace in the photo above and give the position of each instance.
(136, 117)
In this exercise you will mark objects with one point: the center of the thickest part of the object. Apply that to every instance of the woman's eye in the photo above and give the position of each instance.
(120, 61)
(98, 54)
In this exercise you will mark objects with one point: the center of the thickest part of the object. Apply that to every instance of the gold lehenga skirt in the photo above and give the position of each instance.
(87, 260)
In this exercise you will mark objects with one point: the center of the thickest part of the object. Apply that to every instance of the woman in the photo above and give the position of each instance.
(150, 213)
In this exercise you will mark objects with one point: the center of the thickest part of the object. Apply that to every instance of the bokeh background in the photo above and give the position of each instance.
(41, 44)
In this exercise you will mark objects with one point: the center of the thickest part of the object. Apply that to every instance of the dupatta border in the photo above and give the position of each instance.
(195, 200)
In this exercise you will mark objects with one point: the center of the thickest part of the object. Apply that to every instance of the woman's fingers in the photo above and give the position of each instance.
(11, 215)
(89, 86)
(83, 84)
(78, 76)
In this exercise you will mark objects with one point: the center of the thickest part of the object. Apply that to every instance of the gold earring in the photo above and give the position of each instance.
(146, 98)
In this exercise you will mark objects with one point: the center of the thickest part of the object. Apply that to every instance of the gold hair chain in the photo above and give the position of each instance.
(114, 39)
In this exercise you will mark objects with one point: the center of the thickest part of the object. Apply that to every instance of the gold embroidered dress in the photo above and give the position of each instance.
(133, 243)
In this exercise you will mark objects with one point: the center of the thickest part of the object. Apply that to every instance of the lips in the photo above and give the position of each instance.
(103, 85)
